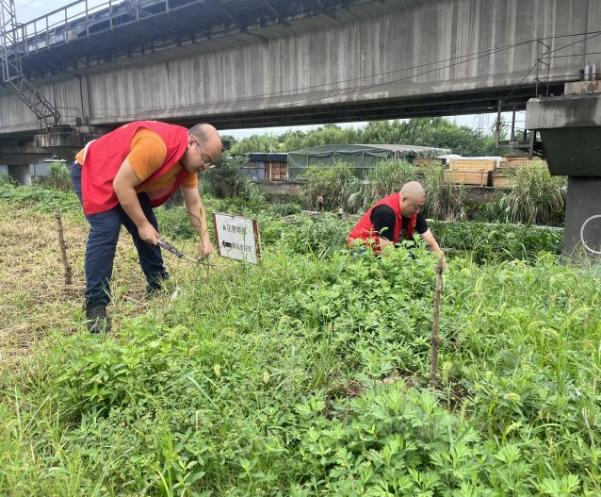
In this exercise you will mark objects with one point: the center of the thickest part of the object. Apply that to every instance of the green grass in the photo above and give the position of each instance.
(241, 386)
(307, 376)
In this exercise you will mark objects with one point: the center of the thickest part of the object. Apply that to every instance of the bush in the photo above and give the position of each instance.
(286, 209)
(536, 197)
(443, 201)
(385, 178)
(335, 184)
(321, 236)
(59, 177)
(227, 181)
(39, 198)
(498, 241)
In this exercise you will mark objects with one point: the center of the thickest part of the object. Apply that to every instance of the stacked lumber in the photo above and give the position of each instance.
(503, 176)
(498, 172)
(475, 171)
(427, 161)
(467, 177)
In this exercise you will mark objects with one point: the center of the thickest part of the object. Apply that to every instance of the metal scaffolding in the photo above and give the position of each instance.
(12, 70)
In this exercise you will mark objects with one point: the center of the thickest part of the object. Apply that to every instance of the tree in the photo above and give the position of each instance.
(429, 132)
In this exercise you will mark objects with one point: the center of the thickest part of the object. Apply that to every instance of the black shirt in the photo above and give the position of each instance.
(383, 219)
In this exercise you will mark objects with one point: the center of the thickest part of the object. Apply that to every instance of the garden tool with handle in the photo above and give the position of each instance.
(180, 255)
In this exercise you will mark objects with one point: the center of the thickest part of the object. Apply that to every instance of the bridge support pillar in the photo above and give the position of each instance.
(21, 173)
(570, 128)
(65, 144)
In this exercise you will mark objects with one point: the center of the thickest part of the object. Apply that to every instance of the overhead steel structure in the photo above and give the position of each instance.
(11, 50)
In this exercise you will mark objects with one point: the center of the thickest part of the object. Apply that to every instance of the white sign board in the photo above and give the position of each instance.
(237, 237)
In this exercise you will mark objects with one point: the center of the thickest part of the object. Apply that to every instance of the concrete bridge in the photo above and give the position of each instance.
(239, 63)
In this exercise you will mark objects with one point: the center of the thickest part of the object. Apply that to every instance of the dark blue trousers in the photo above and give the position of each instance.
(102, 243)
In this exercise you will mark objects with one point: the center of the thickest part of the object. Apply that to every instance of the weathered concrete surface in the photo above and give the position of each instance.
(21, 173)
(421, 57)
(17, 153)
(570, 128)
(582, 227)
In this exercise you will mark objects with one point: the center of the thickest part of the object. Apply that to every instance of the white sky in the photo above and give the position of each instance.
(31, 9)
(481, 122)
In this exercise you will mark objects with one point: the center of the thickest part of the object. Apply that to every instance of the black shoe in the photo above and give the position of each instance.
(153, 291)
(97, 320)
(155, 285)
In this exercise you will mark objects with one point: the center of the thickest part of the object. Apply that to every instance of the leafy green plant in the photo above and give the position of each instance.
(498, 241)
(227, 181)
(536, 197)
(335, 184)
(385, 178)
(443, 200)
(39, 198)
(307, 376)
(59, 177)
(321, 236)
(285, 209)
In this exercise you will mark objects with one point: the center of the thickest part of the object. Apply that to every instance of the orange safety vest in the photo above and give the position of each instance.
(103, 158)
(364, 229)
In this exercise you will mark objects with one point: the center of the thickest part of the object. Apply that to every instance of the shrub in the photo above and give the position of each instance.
(443, 201)
(536, 197)
(286, 209)
(498, 241)
(385, 178)
(335, 184)
(227, 181)
(321, 236)
(59, 177)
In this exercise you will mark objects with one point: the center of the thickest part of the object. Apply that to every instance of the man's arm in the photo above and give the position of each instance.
(432, 243)
(124, 185)
(198, 218)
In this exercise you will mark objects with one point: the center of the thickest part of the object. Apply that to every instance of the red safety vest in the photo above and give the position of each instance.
(364, 229)
(103, 158)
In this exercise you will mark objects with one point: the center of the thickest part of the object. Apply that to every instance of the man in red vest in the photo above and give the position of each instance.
(395, 218)
(119, 178)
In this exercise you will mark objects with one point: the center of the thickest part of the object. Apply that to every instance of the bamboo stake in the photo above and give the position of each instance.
(63, 247)
(436, 321)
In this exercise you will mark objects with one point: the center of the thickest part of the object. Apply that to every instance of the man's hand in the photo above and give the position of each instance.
(204, 249)
(442, 262)
(199, 220)
(149, 234)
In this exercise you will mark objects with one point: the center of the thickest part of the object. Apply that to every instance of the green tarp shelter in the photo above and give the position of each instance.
(361, 158)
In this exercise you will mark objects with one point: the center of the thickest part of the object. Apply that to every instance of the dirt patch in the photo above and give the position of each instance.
(33, 296)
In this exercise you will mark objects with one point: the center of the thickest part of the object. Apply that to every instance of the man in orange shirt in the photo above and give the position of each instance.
(119, 178)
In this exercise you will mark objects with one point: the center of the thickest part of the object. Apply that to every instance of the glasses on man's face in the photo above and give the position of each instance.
(207, 162)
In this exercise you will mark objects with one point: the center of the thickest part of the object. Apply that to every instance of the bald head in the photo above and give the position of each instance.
(206, 133)
(412, 198)
(413, 189)
(204, 148)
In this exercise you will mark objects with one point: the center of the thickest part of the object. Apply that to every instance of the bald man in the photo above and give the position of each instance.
(119, 179)
(395, 218)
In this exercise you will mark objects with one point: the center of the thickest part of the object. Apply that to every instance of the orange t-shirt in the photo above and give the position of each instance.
(146, 156)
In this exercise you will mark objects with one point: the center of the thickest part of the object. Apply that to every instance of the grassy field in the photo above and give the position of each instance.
(305, 376)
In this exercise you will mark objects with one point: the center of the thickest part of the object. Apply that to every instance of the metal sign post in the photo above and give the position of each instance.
(237, 237)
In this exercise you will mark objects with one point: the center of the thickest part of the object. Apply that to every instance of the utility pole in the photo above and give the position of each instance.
(12, 70)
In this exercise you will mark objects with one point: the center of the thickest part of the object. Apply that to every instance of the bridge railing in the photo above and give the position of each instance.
(82, 18)
(62, 25)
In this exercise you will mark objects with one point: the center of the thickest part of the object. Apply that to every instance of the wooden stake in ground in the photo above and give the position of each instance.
(436, 321)
(63, 247)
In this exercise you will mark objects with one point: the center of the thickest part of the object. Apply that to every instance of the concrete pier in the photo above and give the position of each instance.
(570, 128)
